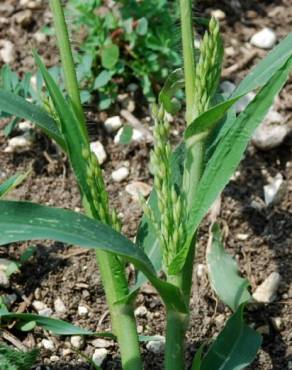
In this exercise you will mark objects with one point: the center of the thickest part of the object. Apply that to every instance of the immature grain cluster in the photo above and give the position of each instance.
(98, 191)
(171, 226)
(208, 68)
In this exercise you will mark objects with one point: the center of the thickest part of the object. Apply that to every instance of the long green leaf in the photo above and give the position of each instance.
(197, 361)
(235, 347)
(73, 131)
(21, 221)
(223, 273)
(266, 68)
(56, 326)
(11, 183)
(228, 154)
(261, 74)
(19, 107)
(147, 235)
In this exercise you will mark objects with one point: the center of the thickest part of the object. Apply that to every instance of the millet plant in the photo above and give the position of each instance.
(187, 181)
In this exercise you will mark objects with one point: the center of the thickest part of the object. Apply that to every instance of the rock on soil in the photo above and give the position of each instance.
(264, 39)
(267, 291)
(7, 52)
(112, 124)
(77, 341)
(98, 149)
(99, 356)
(275, 190)
(59, 306)
(137, 189)
(48, 344)
(156, 346)
(120, 174)
(19, 144)
(269, 136)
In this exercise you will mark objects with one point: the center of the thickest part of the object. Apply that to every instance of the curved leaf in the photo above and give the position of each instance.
(11, 183)
(235, 347)
(56, 326)
(223, 273)
(173, 83)
(19, 107)
(261, 74)
(27, 221)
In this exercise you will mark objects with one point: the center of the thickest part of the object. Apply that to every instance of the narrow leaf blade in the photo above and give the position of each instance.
(56, 326)
(11, 183)
(235, 347)
(21, 221)
(223, 273)
(19, 107)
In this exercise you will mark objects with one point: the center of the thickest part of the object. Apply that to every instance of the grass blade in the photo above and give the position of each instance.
(223, 273)
(12, 183)
(19, 107)
(20, 221)
(235, 347)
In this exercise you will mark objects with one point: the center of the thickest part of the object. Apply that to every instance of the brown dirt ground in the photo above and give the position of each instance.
(56, 272)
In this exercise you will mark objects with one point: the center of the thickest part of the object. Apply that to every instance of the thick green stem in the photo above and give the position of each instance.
(177, 323)
(175, 337)
(122, 314)
(67, 60)
(112, 271)
(188, 57)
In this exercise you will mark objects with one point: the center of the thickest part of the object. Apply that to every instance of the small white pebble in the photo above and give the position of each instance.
(140, 329)
(120, 174)
(101, 343)
(47, 312)
(266, 292)
(19, 144)
(277, 323)
(38, 305)
(218, 14)
(77, 341)
(99, 356)
(112, 124)
(4, 280)
(48, 344)
(98, 150)
(201, 270)
(274, 191)
(82, 310)
(7, 53)
(40, 37)
(25, 126)
(242, 237)
(156, 346)
(54, 358)
(268, 136)
(264, 39)
(137, 189)
(141, 311)
(59, 306)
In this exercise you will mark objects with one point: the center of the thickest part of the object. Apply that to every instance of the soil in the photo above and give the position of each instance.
(72, 275)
